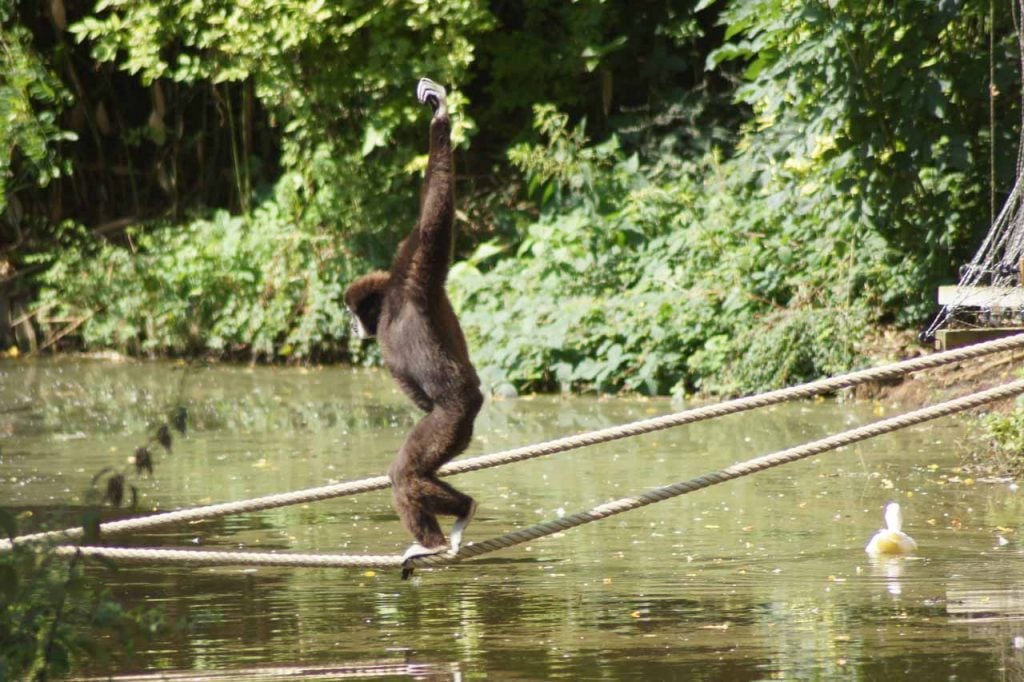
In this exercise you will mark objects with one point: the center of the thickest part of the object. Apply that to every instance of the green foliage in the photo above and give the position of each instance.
(883, 107)
(617, 64)
(854, 188)
(54, 615)
(335, 78)
(333, 83)
(679, 251)
(255, 287)
(1002, 439)
(651, 281)
(31, 98)
(1006, 431)
(322, 90)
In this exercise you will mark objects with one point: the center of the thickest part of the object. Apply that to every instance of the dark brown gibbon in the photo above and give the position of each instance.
(423, 347)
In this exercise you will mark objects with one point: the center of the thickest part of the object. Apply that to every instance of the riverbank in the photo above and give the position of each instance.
(934, 385)
(993, 438)
(883, 347)
(992, 448)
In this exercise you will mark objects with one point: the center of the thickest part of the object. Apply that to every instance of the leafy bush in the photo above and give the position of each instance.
(1000, 440)
(635, 278)
(261, 287)
(334, 79)
(31, 98)
(687, 252)
(883, 108)
(336, 87)
(54, 616)
(854, 188)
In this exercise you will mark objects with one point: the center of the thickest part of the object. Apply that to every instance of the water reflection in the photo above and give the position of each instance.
(763, 577)
(356, 670)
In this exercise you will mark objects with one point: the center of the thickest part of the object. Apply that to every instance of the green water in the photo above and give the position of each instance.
(760, 578)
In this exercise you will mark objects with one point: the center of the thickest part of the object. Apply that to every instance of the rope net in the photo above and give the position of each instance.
(637, 428)
(999, 262)
(558, 525)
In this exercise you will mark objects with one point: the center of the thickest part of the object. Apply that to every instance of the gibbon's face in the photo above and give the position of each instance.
(357, 327)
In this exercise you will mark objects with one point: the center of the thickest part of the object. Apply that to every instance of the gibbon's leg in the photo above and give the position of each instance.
(471, 400)
(418, 501)
(415, 393)
(460, 525)
(419, 495)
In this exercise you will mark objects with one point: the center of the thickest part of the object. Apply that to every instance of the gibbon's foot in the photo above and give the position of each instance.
(415, 550)
(460, 525)
(429, 92)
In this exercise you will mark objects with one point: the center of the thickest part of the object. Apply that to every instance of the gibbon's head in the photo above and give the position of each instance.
(364, 298)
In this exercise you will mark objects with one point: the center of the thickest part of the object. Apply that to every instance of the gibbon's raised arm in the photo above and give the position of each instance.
(429, 267)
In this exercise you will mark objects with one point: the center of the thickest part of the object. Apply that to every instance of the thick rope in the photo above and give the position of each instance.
(517, 537)
(213, 557)
(637, 428)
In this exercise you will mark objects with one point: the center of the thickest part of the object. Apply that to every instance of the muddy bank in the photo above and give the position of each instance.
(938, 384)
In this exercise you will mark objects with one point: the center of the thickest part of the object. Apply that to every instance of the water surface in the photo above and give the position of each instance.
(760, 578)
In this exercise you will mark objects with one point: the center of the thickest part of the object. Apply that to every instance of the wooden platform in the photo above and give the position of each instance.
(982, 297)
(996, 299)
(948, 339)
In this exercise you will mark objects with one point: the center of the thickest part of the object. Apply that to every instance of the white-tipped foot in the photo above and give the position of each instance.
(460, 526)
(429, 92)
(416, 549)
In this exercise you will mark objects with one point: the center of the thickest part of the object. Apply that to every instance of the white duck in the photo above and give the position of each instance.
(891, 540)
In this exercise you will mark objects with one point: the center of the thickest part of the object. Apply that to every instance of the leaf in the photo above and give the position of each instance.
(115, 490)
(8, 581)
(8, 524)
(727, 52)
(592, 55)
(163, 436)
(487, 250)
(372, 138)
(143, 461)
(90, 526)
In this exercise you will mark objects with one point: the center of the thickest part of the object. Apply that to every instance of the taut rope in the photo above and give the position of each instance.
(637, 428)
(218, 557)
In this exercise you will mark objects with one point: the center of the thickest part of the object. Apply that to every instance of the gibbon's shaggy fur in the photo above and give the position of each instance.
(423, 347)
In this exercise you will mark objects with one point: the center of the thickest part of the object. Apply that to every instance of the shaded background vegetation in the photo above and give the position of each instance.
(664, 197)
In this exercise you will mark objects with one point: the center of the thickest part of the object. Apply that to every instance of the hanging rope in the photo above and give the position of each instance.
(619, 506)
(1000, 255)
(637, 428)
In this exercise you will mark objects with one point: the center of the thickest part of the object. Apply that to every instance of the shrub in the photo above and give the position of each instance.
(258, 287)
(1001, 436)
(635, 278)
